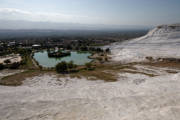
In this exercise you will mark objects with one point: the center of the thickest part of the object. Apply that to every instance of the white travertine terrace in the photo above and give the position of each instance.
(162, 41)
(134, 96)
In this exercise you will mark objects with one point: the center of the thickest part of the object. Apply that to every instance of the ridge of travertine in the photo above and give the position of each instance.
(160, 42)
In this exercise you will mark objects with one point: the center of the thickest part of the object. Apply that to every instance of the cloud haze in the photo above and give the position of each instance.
(17, 14)
(106, 12)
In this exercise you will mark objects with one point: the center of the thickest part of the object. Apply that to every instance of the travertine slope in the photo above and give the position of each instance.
(161, 42)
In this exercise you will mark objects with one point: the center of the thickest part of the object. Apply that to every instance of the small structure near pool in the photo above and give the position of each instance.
(36, 46)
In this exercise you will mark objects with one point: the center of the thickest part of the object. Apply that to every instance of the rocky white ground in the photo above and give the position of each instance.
(163, 41)
(134, 96)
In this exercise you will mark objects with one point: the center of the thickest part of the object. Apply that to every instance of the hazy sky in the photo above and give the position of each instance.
(117, 12)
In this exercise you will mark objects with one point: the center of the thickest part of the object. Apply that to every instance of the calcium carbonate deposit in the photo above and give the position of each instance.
(134, 96)
(163, 41)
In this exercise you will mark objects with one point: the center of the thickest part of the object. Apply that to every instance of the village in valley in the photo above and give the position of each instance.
(74, 55)
(25, 55)
(16, 50)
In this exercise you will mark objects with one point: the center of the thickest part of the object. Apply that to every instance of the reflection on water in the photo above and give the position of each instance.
(76, 57)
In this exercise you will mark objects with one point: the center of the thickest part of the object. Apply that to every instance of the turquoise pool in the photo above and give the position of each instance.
(78, 58)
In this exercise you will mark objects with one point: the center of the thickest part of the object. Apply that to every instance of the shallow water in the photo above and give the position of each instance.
(76, 57)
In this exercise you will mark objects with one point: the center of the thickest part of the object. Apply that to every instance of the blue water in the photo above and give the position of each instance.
(78, 58)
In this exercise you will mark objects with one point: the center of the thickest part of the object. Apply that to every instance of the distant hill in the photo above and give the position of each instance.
(12, 29)
(17, 24)
(22, 33)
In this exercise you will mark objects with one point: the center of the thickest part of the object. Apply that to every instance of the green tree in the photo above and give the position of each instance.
(69, 47)
(71, 65)
(88, 66)
(14, 65)
(62, 67)
(84, 48)
(7, 61)
(106, 58)
(1, 66)
(107, 50)
(24, 52)
(99, 50)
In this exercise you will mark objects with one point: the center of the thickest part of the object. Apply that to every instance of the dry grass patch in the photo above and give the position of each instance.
(96, 75)
(106, 72)
(163, 64)
(138, 72)
(128, 68)
(171, 71)
(17, 79)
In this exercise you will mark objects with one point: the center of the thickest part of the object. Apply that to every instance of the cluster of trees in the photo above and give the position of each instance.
(1, 66)
(83, 48)
(6, 51)
(24, 52)
(64, 67)
(87, 48)
(10, 50)
(10, 66)
(15, 65)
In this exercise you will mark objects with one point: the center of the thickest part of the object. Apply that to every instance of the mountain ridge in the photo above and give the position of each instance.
(21, 24)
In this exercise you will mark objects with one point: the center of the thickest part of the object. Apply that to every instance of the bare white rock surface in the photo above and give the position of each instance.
(132, 97)
(161, 42)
